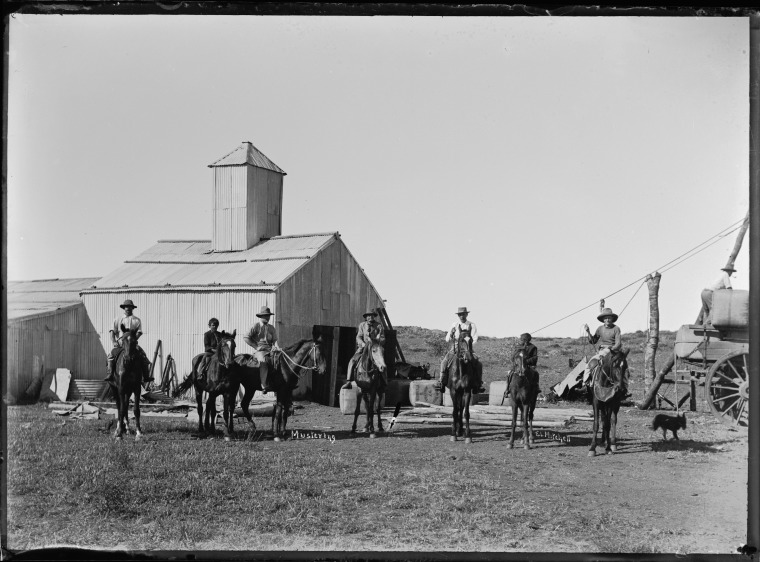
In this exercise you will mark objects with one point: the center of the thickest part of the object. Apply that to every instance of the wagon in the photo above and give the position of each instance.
(717, 355)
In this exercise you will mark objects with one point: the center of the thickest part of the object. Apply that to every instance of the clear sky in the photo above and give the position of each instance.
(522, 167)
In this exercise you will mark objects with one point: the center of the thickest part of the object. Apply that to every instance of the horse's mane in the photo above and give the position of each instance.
(293, 348)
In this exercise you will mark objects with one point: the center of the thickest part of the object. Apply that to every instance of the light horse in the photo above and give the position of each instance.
(462, 383)
(608, 393)
(287, 366)
(370, 381)
(219, 380)
(128, 379)
(523, 393)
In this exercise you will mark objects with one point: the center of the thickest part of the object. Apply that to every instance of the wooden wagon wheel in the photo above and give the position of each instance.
(727, 388)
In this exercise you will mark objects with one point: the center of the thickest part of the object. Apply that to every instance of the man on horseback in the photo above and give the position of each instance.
(528, 351)
(462, 332)
(121, 325)
(369, 332)
(608, 336)
(211, 341)
(263, 338)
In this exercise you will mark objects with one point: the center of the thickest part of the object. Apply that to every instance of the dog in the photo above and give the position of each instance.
(672, 423)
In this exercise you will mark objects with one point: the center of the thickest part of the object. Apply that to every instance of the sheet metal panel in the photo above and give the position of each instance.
(244, 154)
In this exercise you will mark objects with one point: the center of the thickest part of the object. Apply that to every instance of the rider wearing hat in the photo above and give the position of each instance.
(609, 338)
(263, 338)
(723, 281)
(368, 332)
(128, 321)
(528, 350)
(462, 330)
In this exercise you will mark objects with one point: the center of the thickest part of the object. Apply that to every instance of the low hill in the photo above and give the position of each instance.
(555, 355)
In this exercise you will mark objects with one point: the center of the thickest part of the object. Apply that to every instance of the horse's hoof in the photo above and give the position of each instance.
(609, 451)
(468, 440)
(613, 448)
(372, 435)
(510, 446)
(531, 440)
(453, 438)
(353, 431)
(380, 430)
(138, 436)
(526, 446)
(277, 439)
(227, 439)
(591, 454)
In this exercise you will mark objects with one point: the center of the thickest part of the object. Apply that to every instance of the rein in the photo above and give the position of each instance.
(312, 351)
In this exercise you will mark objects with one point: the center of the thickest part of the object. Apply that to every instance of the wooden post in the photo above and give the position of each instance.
(155, 354)
(653, 283)
(651, 394)
(738, 243)
(334, 366)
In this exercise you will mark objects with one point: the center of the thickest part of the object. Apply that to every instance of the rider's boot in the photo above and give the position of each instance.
(111, 365)
(263, 372)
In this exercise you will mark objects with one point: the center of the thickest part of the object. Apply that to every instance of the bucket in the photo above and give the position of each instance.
(425, 391)
(349, 397)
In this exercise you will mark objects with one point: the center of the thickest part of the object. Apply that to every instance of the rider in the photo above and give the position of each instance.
(528, 350)
(462, 330)
(368, 332)
(128, 321)
(211, 341)
(263, 338)
(721, 282)
(609, 337)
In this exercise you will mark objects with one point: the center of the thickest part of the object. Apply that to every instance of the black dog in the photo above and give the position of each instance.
(672, 423)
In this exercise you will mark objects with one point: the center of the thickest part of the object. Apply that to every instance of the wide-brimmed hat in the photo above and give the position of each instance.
(607, 312)
(127, 302)
(728, 269)
(265, 312)
(462, 310)
(369, 313)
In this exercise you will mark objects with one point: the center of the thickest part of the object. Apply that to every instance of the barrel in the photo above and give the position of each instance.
(398, 392)
(496, 393)
(730, 309)
(350, 396)
(425, 391)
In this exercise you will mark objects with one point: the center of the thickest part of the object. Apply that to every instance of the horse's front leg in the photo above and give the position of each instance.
(530, 419)
(526, 436)
(227, 415)
(119, 424)
(467, 398)
(371, 413)
(285, 414)
(199, 400)
(138, 431)
(513, 405)
(611, 432)
(210, 420)
(244, 403)
(366, 398)
(277, 420)
(357, 412)
(592, 448)
(455, 414)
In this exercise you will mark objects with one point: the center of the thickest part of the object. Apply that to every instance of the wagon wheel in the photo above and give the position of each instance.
(727, 388)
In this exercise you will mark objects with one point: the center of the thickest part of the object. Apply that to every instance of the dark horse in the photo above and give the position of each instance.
(608, 391)
(127, 380)
(462, 382)
(370, 381)
(523, 393)
(219, 380)
(287, 365)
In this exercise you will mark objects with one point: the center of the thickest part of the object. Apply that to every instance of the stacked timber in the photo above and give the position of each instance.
(494, 415)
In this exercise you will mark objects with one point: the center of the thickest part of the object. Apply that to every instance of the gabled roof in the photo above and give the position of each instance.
(246, 153)
(27, 298)
(191, 264)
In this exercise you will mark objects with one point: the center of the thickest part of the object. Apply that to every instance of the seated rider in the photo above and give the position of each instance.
(608, 336)
(529, 352)
(723, 281)
(464, 332)
(128, 321)
(211, 341)
(370, 331)
(263, 338)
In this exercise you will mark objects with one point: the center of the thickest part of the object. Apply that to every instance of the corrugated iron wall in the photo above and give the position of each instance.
(60, 339)
(180, 318)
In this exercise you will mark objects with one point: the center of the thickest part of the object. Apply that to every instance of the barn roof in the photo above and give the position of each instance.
(246, 153)
(27, 298)
(191, 264)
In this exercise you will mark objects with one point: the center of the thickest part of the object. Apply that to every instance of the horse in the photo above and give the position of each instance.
(220, 380)
(462, 383)
(127, 382)
(370, 381)
(283, 378)
(608, 392)
(523, 393)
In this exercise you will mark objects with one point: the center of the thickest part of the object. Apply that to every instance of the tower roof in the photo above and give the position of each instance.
(246, 153)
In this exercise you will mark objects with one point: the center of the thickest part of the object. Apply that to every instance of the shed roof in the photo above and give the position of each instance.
(246, 153)
(191, 264)
(27, 298)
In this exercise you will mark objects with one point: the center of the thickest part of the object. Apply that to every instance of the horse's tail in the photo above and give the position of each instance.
(184, 386)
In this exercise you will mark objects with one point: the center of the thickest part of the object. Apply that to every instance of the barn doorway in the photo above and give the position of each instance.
(339, 345)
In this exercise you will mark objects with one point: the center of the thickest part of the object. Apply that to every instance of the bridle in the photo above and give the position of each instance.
(311, 354)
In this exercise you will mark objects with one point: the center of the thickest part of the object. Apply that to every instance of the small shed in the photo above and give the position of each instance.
(48, 328)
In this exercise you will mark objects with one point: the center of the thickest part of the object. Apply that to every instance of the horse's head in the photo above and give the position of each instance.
(129, 341)
(317, 355)
(225, 352)
(465, 349)
(615, 364)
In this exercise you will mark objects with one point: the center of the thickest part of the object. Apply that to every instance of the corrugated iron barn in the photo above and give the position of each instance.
(48, 328)
(310, 281)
